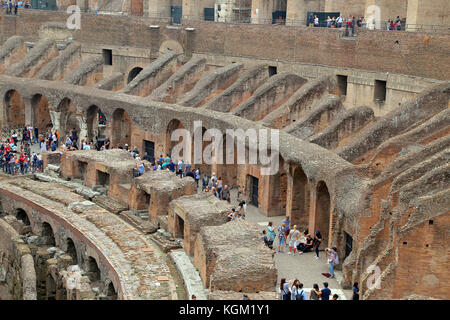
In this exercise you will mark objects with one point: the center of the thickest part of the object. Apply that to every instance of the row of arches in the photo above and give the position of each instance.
(90, 265)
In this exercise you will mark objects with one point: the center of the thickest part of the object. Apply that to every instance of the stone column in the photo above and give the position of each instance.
(312, 209)
(289, 193)
(55, 116)
(29, 114)
(190, 34)
(83, 128)
(262, 11)
(155, 39)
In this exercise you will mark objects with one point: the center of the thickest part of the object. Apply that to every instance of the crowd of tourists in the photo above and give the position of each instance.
(293, 290)
(11, 7)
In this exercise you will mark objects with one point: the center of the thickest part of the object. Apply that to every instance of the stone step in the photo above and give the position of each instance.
(143, 225)
(109, 204)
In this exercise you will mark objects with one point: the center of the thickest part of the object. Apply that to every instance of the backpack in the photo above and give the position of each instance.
(299, 296)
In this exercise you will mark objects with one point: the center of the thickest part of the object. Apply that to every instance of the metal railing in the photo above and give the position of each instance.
(262, 21)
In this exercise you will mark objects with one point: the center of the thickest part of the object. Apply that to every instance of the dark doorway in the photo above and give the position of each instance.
(323, 210)
(48, 235)
(348, 244)
(111, 293)
(176, 12)
(380, 91)
(103, 178)
(93, 270)
(254, 185)
(342, 85)
(180, 231)
(107, 56)
(22, 216)
(209, 14)
(272, 71)
(82, 166)
(133, 74)
(149, 148)
(72, 251)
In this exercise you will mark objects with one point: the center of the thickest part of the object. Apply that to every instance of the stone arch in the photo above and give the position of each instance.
(322, 211)
(23, 216)
(14, 107)
(173, 125)
(93, 271)
(72, 250)
(133, 73)
(41, 113)
(47, 234)
(121, 127)
(111, 292)
(300, 201)
(96, 121)
(68, 119)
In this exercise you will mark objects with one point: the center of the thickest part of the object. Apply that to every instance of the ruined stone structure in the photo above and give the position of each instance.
(363, 131)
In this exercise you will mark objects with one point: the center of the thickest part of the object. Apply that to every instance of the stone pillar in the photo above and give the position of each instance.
(56, 117)
(29, 114)
(289, 193)
(154, 42)
(83, 129)
(262, 11)
(190, 34)
(312, 209)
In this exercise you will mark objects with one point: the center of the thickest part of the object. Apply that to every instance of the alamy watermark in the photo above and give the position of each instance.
(232, 146)
(74, 20)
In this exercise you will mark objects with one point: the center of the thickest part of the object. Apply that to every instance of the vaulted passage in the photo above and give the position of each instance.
(93, 272)
(300, 198)
(48, 235)
(96, 122)
(322, 221)
(72, 251)
(68, 118)
(41, 113)
(171, 127)
(121, 129)
(133, 73)
(22, 215)
(14, 109)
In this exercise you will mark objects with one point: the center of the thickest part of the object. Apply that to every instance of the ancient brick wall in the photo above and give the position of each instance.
(421, 54)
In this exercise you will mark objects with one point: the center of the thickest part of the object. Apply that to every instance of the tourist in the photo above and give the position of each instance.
(281, 237)
(205, 181)
(197, 176)
(329, 21)
(295, 289)
(340, 21)
(231, 215)
(108, 143)
(271, 231)
(333, 259)
(355, 291)
(226, 195)
(293, 239)
(301, 295)
(335, 297)
(316, 243)
(315, 292)
(219, 187)
(326, 292)
(316, 21)
(267, 241)
(193, 297)
(284, 290)
(180, 168)
(305, 247)
(311, 20)
(287, 223)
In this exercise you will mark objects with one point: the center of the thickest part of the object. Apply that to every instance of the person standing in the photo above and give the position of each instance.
(355, 291)
(326, 292)
(316, 243)
(287, 223)
(295, 290)
(293, 238)
(315, 292)
(281, 237)
(271, 231)
(333, 259)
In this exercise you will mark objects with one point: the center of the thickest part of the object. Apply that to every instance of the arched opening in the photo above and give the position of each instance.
(48, 236)
(322, 217)
(22, 216)
(51, 288)
(68, 120)
(93, 272)
(300, 198)
(133, 73)
(96, 123)
(121, 129)
(15, 110)
(72, 251)
(111, 292)
(171, 127)
(41, 113)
